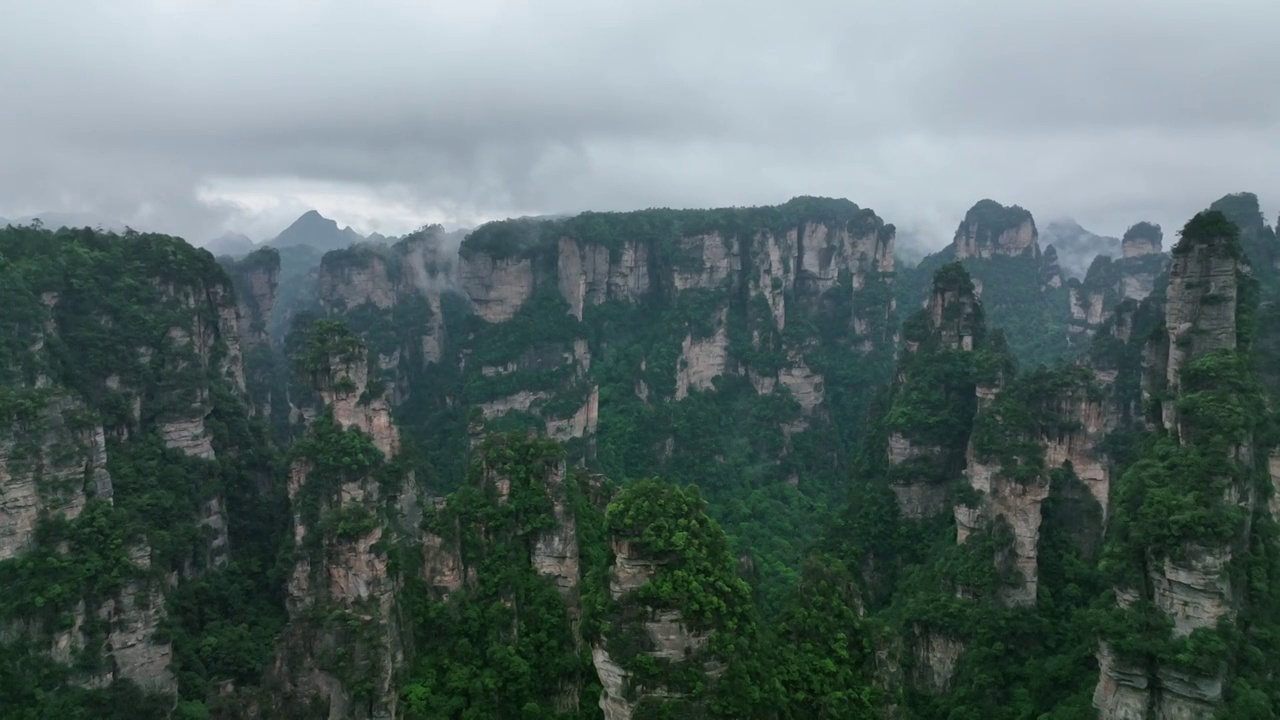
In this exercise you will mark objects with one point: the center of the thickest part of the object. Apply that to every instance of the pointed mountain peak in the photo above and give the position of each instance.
(317, 231)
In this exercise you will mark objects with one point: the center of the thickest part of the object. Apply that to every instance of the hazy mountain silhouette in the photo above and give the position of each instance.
(1076, 246)
(233, 244)
(317, 231)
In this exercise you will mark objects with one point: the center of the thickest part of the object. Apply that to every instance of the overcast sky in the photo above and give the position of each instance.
(196, 116)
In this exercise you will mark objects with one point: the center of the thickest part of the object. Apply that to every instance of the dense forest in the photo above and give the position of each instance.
(729, 463)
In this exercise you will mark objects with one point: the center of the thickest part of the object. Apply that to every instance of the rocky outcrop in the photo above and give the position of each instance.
(571, 363)
(553, 551)
(1088, 414)
(402, 284)
(125, 628)
(188, 435)
(351, 278)
(1257, 240)
(205, 339)
(667, 637)
(1142, 261)
(706, 262)
(990, 229)
(804, 385)
(497, 287)
(1108, 282)
(1071, 432)
(344, 645)
(1050, 270)
(1142, 240)
(935, 657)
(1190, 586)
(256, 279)
(1016, 504)
(1123, 691)
(589, 274)
(135, 617)
(345, 390)
(1200, 310)
(702, 359)
(1093, 299)
(581, 424)
(1194, 591)
(951, 321)
(721, 273)
(49, 467)
(1088, 309)
(953, 312)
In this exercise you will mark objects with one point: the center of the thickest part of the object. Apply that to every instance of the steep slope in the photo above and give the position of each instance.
(677, 629)
(504, 564)
(1188, 514)
(355, 505)
(734, 348)
(256, 279)
(129, 476)
(979, 502)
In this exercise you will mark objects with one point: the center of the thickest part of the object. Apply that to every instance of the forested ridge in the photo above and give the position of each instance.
(729, 463)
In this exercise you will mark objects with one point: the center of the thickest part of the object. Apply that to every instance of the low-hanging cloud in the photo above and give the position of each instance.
(198, 117)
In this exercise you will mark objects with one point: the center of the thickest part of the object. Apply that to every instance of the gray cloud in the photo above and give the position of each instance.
(196, 117)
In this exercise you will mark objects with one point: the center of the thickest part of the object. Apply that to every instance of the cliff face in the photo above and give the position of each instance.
(121, 382)
(1024, 292)
(590, 261)
(1050, 270)
(1022, 434)
(392, 297)
(256, 279)
(1142, 260)
(352, 503)
(928, 420)
(656, 653)
(52, 470)
(990, 229)
(617, 332)
(1141, 240)
(1017, 466)
(666, 636)
(1257, 240)
(1132, 276)
(43, 471)
(1200, 312)
(1185, 585)
(509, 541)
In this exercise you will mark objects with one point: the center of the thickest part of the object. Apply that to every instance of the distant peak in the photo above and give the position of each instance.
(315, 230)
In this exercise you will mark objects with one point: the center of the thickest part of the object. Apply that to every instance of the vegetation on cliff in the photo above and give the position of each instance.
(768, 499)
